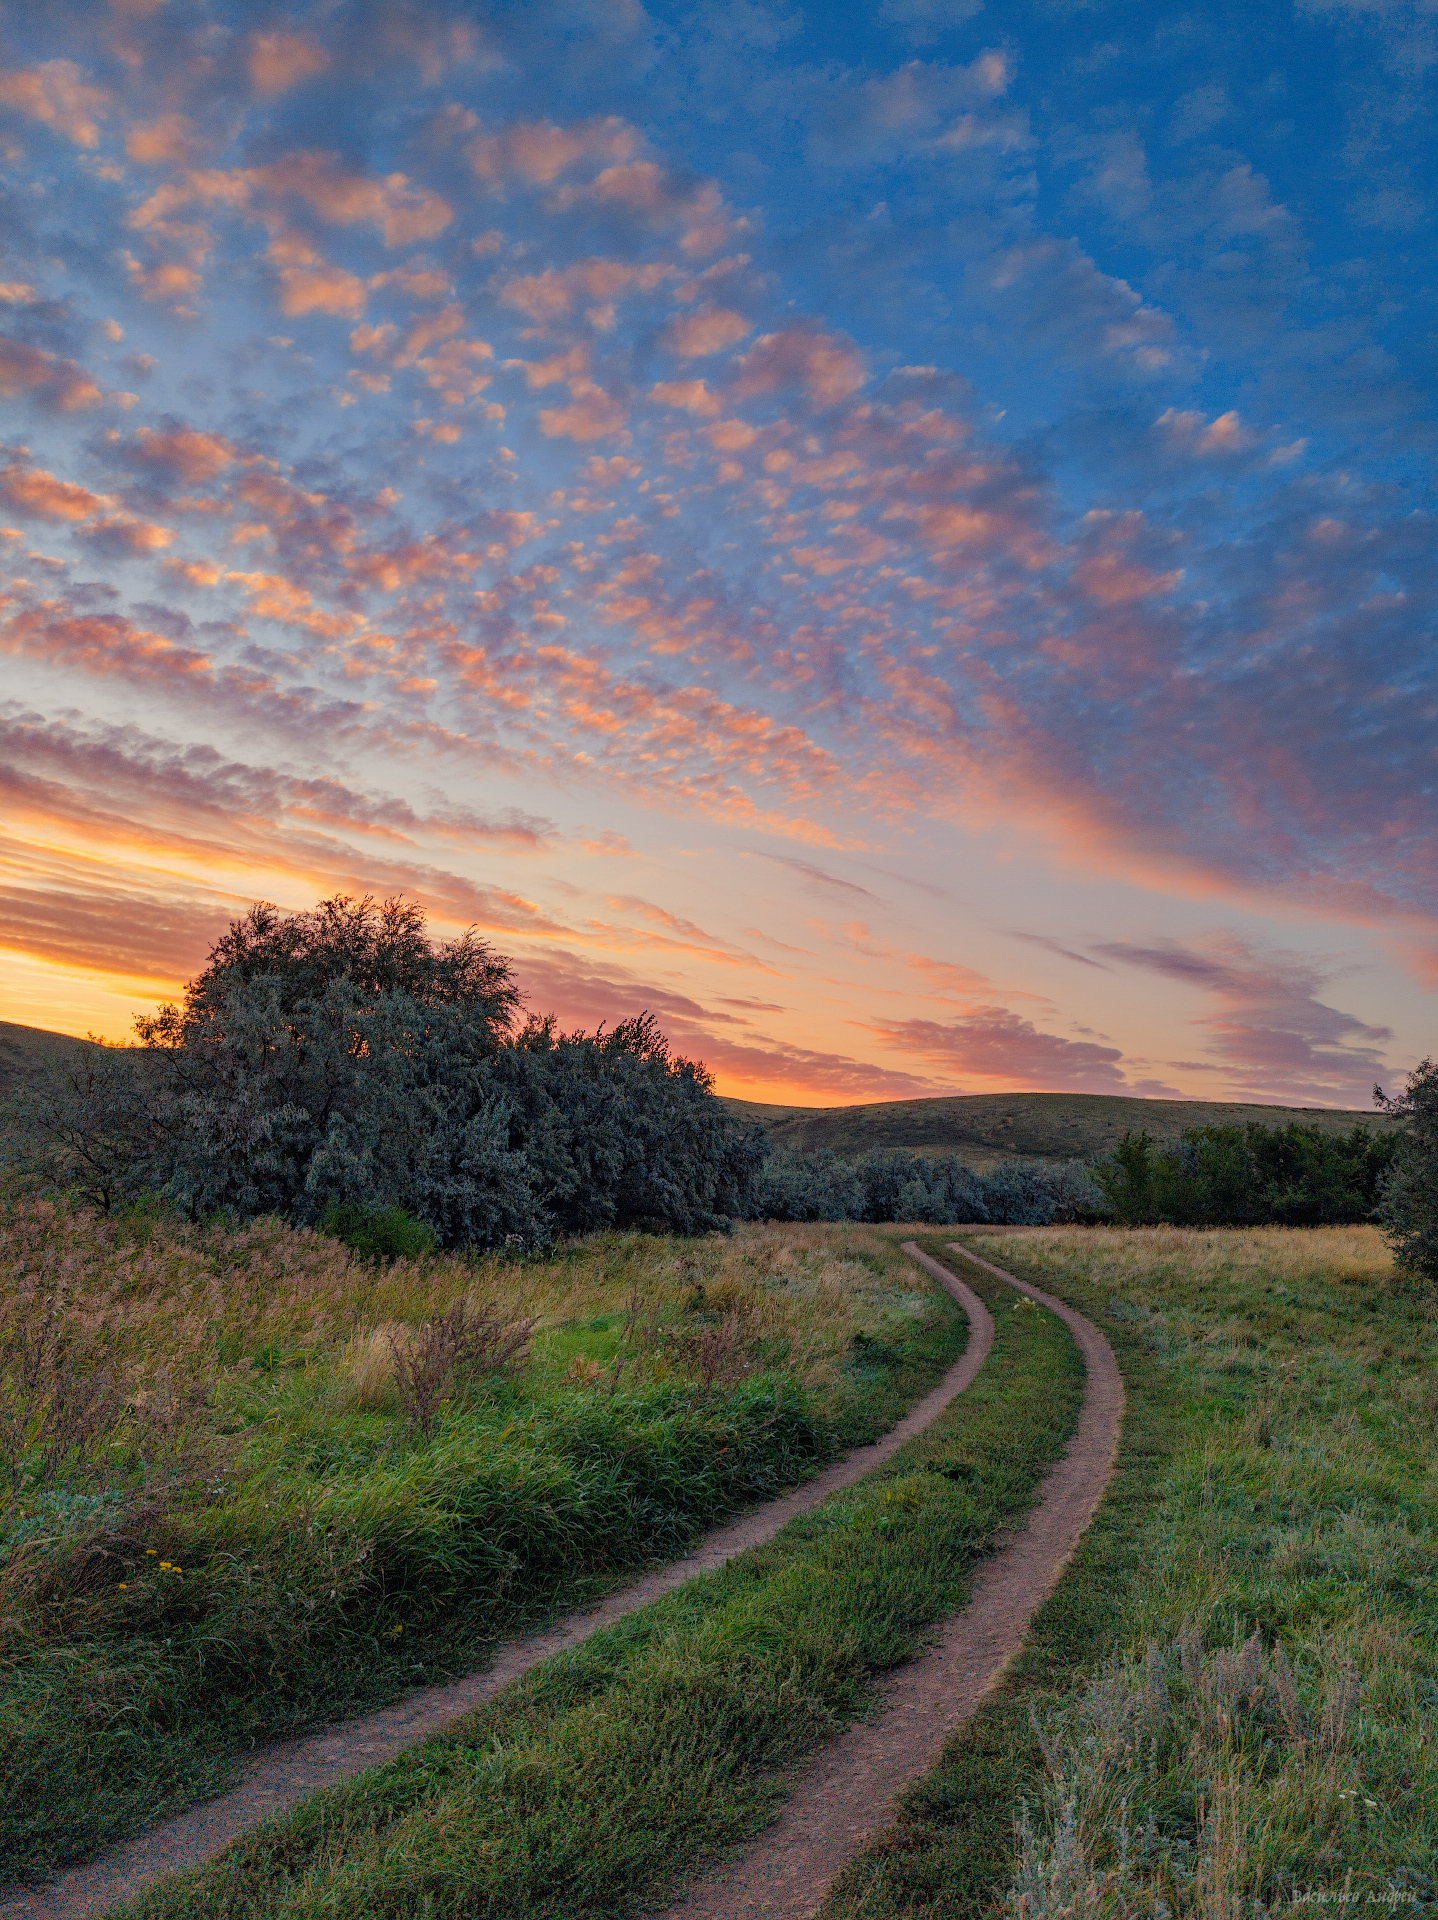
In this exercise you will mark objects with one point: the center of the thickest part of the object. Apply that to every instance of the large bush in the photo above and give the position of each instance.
(340, 1059)
(1296, 1175)
(1408, 1210)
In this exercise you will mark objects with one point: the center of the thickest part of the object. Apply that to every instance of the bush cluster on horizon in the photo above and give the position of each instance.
(937, 1190)
(1296, 1175)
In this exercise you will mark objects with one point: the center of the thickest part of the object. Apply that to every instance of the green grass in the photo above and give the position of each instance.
(983, 1128)
(1276, 1479)
(586, 1788)
(322, 1553)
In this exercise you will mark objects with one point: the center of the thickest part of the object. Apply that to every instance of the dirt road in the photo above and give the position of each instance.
(844, 1796)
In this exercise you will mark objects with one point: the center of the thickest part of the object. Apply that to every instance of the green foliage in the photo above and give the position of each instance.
(938, 1189)
(378, 1233)
(1296, 1176)
(1408, 1213)
(339, 1059)
(585, 1788)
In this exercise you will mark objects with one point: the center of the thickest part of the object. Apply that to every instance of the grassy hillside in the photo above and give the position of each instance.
(984, 1127)
(22, 1049)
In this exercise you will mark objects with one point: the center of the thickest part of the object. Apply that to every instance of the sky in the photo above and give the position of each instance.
(897, 536)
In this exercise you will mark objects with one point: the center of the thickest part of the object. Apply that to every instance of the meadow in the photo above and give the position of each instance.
(252, 1482)
(1228, 1707)
(1230, 1704)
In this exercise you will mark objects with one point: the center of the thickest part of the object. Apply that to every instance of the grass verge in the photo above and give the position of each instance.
(588, 1787)
(1228, 1705)
(236, 1529)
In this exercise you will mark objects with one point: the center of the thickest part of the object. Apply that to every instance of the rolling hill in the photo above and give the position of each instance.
(23, 1049)
(982, 1128)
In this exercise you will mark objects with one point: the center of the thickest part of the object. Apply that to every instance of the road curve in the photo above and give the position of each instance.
(279, 1777)
(844, 1795)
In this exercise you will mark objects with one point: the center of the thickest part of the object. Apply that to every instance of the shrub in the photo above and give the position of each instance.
(1296, 1175)
(466, 1343)
(1408, 1209)
(379, 1233)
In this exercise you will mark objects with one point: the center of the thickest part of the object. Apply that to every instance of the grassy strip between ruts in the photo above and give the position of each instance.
(951, 1851)
(584, 1789)
(1269, 1536)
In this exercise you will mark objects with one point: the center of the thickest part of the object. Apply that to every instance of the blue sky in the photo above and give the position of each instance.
(900, 537)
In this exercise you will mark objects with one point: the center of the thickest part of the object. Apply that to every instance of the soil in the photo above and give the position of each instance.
(278, 1777)
(843, 1798)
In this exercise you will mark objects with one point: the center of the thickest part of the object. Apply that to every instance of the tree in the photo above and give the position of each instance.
(338, 1064)
(1408, 1211)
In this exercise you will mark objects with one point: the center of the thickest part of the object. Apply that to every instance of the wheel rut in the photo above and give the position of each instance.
(843, 1797)
(278, 1777)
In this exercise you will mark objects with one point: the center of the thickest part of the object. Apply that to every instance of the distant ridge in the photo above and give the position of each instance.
(981, 1128)
(23, 1049)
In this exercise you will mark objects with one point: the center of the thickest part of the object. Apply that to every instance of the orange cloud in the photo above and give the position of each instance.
(1194, 434)
(402, 213)
(591, 415)
(539, 151)
(278, 61)
(55, 94)
(692, 395)
(189, 455)
(310, 284)
(170, 137)
(166, 281)
(35, 491)
(690, 336)
(59, 383)
(546, 296)
(827, 367)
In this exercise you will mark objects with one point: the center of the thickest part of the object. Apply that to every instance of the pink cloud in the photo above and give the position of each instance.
(827, 367)
(55, 94)
(992, 1043)
(278, 61)
(1270, 1032)
(690, 336)
(58, 383)
(539, 151)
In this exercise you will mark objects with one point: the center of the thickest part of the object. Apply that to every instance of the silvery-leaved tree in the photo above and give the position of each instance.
(1408, 1211)
(340, 1058)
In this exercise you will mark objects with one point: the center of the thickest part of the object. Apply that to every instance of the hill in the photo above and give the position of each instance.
(981, 1128)
(23, 1049)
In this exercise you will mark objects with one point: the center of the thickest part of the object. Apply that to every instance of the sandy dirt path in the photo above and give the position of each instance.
(844, 1796)
(278, 1777)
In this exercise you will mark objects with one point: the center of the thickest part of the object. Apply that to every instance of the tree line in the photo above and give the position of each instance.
(340, 1068)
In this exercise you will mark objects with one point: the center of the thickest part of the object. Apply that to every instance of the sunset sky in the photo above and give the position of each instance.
(898, 536)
